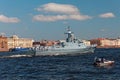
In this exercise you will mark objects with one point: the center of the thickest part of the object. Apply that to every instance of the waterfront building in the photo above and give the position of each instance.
(87, 42)
(3, 44)
(44, 43)
(15, 41)
(106, 42)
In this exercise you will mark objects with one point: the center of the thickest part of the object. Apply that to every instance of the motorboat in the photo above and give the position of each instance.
(17, 49)
(18, 52)
(103, 62)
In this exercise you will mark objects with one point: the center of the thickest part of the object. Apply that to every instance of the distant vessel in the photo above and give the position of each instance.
(18, 52)
(17, 49)
(70, 46)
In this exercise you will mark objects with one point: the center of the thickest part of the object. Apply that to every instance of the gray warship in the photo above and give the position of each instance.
(70, 46)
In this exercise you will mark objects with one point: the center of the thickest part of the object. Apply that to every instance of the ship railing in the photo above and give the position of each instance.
(41, 48)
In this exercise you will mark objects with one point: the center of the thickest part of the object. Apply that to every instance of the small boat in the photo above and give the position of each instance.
(101, 62)
(18, 52)
(16, 49)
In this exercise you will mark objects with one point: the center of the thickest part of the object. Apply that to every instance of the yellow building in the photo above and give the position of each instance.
(87, 42)
(106, 43)
(15, 41)
(3, 44)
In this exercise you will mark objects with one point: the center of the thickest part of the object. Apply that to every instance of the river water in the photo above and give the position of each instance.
(69, 67)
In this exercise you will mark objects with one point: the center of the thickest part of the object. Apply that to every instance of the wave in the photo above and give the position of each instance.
(15, 56)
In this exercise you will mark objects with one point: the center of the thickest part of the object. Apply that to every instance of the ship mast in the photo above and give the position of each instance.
(70, 36)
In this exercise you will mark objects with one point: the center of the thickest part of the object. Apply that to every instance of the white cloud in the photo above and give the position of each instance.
(107, 15)
(6, 19)
(79, 17)
(62, 11)
(49, 18)
(59, 8)
(59, 17)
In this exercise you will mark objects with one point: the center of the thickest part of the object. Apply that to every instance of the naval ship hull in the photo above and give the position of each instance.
(63, 52)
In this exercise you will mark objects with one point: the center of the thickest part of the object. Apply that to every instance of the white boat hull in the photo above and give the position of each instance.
(106, 63)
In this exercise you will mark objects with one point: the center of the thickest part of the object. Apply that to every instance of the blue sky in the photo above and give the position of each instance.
(48, 19)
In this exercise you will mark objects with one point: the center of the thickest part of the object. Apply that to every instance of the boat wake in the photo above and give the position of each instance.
(16, 56)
